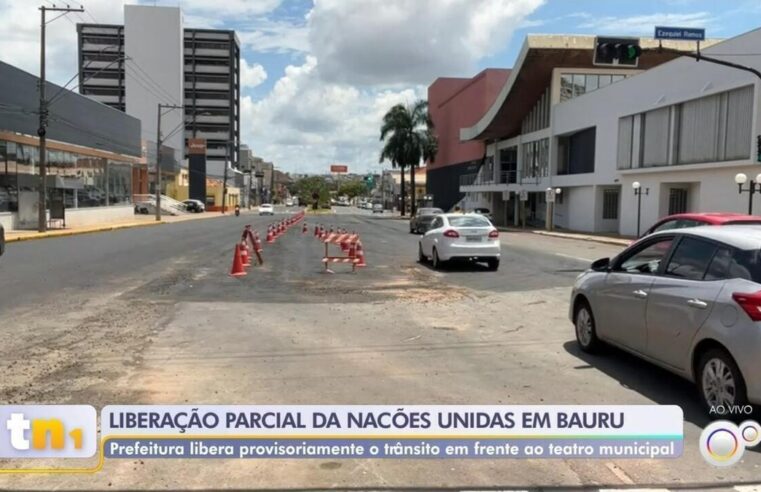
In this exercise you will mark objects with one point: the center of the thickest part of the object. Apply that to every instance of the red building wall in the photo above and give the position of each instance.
(456, 103)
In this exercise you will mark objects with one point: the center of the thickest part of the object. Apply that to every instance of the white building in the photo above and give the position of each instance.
(681, 128)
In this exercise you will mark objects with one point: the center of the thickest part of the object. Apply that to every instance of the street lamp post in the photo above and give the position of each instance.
(638, 192)
(753, 188)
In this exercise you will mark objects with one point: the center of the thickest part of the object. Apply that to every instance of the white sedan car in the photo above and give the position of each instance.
(460, 236)
(266, 209)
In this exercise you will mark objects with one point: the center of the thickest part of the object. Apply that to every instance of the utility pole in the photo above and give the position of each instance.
(42, 217)
(157, 191)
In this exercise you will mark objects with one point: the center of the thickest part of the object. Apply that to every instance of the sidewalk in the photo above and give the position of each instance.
(579, 236)
(138, 221)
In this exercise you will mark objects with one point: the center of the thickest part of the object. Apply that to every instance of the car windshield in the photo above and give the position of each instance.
(469, 221)
(430, 211)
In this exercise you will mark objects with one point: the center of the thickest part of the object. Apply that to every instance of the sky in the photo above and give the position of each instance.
(318, 75)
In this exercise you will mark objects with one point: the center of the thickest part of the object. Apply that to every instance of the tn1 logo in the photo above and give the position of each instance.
(18, 426)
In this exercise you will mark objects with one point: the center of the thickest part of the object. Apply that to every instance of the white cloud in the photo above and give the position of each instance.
(305, 124)
(233, 9)
(269, 36)
(20, 41)
(371, 42)
(251, 75)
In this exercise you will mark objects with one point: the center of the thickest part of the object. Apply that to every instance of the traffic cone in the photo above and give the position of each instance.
(360, 255)
(270, 235)
(316, 230)
(244, 257)
(237, 269)
(257, 243)
(304, 228)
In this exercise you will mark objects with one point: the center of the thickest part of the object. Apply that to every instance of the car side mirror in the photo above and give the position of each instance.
(601, 265)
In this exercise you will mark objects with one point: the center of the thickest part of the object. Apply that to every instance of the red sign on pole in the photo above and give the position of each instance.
(338, 168)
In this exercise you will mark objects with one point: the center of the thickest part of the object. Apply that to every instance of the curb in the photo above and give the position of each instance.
(576, 237)
(65, 233)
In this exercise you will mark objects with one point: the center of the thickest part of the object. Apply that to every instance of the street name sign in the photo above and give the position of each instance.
(680, 33)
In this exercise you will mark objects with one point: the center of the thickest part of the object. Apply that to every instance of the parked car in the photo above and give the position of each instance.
(420, 222)
(2, 240)
(483, 211)
(460, 237)
(681, 221)
(378, 208)
(688, 300)
(196, 206)
(266, 209)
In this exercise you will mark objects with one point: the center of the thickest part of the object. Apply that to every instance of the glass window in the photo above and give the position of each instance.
(728, 264)
(648, 258)
(604, 80)
(738, 123)
(578, 84)
(610, 204)
(698, 130)
(691, 258)
(655, 141)
(566, 87)
(625, 139)
(591, 83)
(466, 221)
(616, 78)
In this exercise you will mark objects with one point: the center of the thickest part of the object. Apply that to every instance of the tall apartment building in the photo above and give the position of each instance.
(212, 94)
(152, 59)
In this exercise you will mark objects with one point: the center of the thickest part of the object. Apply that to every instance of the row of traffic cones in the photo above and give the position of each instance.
(277, 229)
(242, 256)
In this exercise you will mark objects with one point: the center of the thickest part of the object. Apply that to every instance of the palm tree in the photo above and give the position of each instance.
(408, 135)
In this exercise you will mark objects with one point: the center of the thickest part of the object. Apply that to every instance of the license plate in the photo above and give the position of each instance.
(473, 239)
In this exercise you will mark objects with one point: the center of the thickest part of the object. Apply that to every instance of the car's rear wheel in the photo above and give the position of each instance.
(435, 259)
(420, 256)
(586, 331)
(719, 380)
(493, 264)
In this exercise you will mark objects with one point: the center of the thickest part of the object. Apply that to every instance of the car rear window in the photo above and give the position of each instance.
(430, 211)
(743, 222)
(468, 222)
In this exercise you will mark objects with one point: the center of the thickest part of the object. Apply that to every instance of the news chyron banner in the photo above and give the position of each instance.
(392, 431)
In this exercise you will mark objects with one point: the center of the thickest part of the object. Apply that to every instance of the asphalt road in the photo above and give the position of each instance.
(150, 315)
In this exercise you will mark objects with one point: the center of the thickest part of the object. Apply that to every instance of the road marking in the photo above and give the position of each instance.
(748, 488)
(579, 258)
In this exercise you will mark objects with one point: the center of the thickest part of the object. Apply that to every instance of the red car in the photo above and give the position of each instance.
(680, 221)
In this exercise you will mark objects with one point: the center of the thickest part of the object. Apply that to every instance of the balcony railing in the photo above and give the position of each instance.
(504, 177)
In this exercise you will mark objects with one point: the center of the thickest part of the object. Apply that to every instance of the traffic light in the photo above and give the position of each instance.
(617, 51)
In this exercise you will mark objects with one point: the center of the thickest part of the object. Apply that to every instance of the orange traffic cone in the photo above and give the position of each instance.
(237, 269)
(360, 255)
(270, 235)
(316, 230)
(244, 256)
(304, 228)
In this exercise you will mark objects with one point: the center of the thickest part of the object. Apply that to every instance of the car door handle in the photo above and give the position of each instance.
(697, 303)
(640, 293)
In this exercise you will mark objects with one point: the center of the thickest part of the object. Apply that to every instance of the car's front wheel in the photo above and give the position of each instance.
(719, 380)
(586, 331)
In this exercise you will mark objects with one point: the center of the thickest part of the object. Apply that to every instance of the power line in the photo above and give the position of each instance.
(168, 94)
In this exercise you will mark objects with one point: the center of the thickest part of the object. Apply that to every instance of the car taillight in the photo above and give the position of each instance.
(494, 234)
(451, 233)
(751, 304)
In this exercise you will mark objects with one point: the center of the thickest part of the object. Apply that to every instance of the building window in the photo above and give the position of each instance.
(655, 137)
(625, 141)
(536, 159)
(576, 153)
(678, 200)
(576, 84)
(610, 204)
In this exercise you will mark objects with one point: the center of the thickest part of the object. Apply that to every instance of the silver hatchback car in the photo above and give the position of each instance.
(688, 300)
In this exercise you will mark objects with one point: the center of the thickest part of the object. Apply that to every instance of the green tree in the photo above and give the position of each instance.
(305, 188)
(407, 133)
(352, 188)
